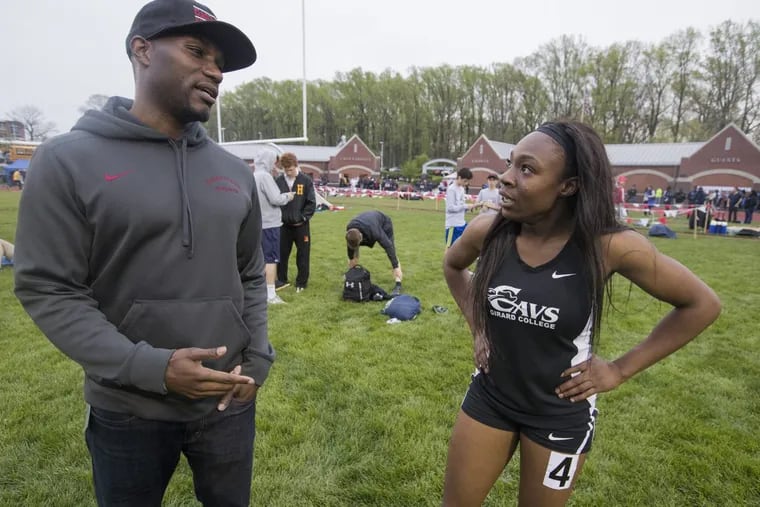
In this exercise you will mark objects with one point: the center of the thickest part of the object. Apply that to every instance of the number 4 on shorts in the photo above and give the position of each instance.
(560, 470)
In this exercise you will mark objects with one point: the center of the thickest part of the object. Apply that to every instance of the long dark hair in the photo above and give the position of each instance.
(592, 211)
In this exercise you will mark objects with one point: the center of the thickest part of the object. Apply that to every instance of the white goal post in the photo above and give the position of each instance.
(304, 135)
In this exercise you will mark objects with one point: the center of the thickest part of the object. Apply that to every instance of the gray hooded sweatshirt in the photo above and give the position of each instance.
(131, 245)
(270, 195)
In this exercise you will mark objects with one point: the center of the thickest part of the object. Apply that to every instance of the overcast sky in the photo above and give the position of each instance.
(58, 53)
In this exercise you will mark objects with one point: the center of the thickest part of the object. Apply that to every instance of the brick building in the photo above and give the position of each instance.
(726, 160)
(323, 163)
(12, 130)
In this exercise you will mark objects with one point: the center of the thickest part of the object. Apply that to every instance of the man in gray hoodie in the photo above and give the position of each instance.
(270, 200)
(138, 256)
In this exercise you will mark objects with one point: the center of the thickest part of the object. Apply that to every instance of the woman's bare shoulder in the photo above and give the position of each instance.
(625, 244)
(467, 248)
(480, 225)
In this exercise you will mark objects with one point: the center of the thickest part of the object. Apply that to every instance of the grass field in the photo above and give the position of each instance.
(359, 412)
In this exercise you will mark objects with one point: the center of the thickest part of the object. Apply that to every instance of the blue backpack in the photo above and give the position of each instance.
(402, 307)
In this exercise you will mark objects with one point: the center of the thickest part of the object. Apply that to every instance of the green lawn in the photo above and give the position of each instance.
(358, 412)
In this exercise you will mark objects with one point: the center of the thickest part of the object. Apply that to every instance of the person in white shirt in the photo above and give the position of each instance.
(489, 197)
(457, 206)
(6, 253)
(270, 200)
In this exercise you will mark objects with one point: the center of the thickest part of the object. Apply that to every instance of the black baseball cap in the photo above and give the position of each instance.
(492, 177)
(175, 17)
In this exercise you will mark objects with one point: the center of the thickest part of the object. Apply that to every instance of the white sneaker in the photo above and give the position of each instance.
(275, 300)
(300, 289)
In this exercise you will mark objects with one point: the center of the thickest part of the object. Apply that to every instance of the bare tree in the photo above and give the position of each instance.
(95, 101)
(655, 80)
(722, 77)
(748, 120)
(35, 125)
(616, 93)
(683, 47)
(562, 66)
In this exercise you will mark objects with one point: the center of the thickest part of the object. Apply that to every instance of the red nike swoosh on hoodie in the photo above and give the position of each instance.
(112, 177)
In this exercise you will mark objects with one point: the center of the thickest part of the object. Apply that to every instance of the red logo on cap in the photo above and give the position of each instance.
(201, 15)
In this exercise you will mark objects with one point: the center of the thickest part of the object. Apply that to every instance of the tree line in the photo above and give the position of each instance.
(685, 88)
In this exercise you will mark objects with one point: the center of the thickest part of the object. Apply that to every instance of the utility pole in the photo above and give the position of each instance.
(219, 129)
(382, 145)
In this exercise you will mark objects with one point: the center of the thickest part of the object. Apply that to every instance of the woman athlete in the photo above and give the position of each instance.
(534, 307)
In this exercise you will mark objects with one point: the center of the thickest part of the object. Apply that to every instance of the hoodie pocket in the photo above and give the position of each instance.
(176, 324)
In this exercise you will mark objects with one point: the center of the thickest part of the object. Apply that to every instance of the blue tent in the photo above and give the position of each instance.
(20, 164)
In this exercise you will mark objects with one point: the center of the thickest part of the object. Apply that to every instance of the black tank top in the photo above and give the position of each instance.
(540, 324)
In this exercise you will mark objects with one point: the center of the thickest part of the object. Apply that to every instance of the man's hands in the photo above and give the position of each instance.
(241, 392)
(186, 375)
(397, 274)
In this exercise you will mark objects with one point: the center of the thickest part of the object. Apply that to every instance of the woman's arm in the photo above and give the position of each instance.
(695, 304)
(695, 307)
(458, 259)
(456, 265)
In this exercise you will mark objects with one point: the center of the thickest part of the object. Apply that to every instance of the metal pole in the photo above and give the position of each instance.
(382, 145)
(304, 137)
(219, 118)
(303, 50)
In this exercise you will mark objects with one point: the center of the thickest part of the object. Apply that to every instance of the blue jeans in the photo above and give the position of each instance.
(133, 459)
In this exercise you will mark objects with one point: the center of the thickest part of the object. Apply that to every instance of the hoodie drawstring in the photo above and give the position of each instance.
(187, 215)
